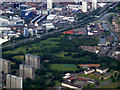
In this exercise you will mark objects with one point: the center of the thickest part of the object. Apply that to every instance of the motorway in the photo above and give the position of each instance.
(83, 23)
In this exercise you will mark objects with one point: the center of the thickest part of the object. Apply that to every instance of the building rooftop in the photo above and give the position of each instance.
(102, 40)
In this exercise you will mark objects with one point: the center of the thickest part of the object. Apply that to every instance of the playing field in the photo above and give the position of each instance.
(63, 67)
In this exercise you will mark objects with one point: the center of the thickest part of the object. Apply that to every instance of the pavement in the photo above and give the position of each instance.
(104, 83)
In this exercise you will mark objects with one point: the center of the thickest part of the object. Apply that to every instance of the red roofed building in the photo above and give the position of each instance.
(68, 32)
(89, 65)
(78, 78)
(80, 32)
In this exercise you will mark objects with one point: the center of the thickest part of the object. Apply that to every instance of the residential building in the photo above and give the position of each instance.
(14, 82)
(26, 71)
(71, 86)
(5, 66)
(116, 24)
(102, 70)
(89, 71)
(32, 60)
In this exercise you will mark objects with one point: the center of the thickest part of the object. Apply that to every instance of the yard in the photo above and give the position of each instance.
(92, 76)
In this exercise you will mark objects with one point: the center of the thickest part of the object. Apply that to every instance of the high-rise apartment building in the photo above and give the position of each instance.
(14, 82)
(49, 4)
(26, 71)
(32, 60)
(84, 6)
(5, 66)
(94, 4)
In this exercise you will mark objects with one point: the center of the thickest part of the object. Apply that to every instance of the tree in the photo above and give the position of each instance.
(113, 79)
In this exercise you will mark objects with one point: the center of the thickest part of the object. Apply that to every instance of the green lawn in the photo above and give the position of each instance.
(49, 43)
(19, 57)
(92, 76)
(61, 54)
(63, 67)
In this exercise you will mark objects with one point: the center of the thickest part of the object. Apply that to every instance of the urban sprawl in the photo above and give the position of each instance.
(60, 45)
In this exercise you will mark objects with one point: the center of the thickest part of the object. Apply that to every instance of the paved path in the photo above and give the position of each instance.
(104, 83)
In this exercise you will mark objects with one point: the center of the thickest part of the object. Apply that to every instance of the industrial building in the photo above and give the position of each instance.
(27, 14)
(14, 82)
(12, 21)
(23, 7)
(32, 60)
(5, 66)
(26, 71)
(74, 7)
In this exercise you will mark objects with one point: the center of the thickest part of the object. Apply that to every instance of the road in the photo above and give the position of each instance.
(116, 42)
(82, 23)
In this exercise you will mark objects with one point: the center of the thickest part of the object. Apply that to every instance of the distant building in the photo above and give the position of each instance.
(26, 71)
(94, 4)
(27, 14)
(89, 71)
(89, 65)
(32, 31)
(26, 33)
(84, 6)
(0, 34)
(49, 4)
(5, 66)
(74, 7)
(103, 42)
(71, 86)
(109, 39)
(116, 24)
(102, 70)
(23, 7)
(11, 21)
(32, 60)
(14, 82)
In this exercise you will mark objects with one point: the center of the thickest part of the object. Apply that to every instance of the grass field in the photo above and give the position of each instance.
(49, 43)
(63, 67)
